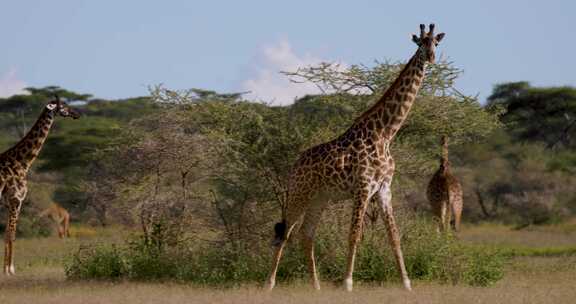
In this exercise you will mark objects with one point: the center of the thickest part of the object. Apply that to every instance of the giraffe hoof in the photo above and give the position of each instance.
(269, 286)
(11, 270)
(348, 284)
(407, 285)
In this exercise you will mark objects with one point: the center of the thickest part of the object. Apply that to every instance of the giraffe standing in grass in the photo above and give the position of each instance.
(61, 218)
(14, 166)
(445, 193)
(357, 163)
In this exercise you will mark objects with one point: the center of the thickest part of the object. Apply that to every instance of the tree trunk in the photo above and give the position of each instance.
(485, 212)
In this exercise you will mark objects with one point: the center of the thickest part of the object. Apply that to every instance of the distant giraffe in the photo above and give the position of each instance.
(14, 166)
(357, 163)
(445, 193)
(61, 218)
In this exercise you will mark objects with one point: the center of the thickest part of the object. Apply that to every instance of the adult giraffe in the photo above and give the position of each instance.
(14, 166)
(359, 163)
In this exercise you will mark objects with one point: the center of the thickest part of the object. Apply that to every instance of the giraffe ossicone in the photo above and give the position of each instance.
(357, 163)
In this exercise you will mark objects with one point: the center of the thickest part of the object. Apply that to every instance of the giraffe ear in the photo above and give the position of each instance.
(51, 106)
(439, 37)
(416, 39)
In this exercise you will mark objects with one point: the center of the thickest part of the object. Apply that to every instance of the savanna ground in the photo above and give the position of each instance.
(543, 272)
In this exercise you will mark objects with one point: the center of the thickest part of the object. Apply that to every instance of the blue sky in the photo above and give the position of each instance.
(116, 49)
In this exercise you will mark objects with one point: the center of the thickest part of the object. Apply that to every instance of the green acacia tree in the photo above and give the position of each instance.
(537, 114)
(255, 144)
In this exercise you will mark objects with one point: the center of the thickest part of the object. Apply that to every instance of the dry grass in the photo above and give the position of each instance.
(32, 253)
(532, 280)
(41, 279)
(537, 237)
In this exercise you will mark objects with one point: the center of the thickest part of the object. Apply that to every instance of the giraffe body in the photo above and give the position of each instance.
(358, 163)
(61, 218)
(14, 166)
(445, 193)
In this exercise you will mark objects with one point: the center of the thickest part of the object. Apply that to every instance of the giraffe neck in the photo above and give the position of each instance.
(387, 116)
(444, 162)
(27, 149)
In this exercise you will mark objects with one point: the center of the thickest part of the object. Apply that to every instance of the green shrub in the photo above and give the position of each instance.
(224, 266)
(483, 268)
(428, 256)
(102, 262)
(150, 263)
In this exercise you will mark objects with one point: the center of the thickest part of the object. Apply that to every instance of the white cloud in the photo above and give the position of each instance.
(269, 85)
(10, 84)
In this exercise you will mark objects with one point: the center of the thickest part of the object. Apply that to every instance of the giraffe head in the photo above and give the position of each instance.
(444, 141)
(427, 42)
(59, 107)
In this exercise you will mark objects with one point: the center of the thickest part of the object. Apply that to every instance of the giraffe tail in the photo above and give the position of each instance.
(279, 233)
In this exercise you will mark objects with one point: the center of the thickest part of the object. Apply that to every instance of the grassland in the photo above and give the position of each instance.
(530, 278)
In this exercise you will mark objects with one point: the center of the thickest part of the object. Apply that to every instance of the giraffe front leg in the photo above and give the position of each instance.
(311, 221)
(10, 235)
(67, 227)
(448, 220)
(6, 264)
(361, 204)
(385, 198)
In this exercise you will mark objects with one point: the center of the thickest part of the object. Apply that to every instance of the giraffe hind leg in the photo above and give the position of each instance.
(279, 233)
(60, 229)
(295, 209)
(278, 249)
(456, 213)
(448, 218)
(443, 219)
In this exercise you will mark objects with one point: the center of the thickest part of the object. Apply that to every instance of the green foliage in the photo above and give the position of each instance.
(150, 263)
(483, 269)
(429, 256)
(29, 227)
(545, 114)
(51, 91)
(517, 183)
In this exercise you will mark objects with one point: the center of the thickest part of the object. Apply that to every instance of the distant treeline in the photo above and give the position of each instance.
(219, 160)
